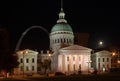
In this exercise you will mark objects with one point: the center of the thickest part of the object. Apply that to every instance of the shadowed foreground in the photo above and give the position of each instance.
(100, 77)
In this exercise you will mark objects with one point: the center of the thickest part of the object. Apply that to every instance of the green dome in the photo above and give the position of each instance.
(61, 27)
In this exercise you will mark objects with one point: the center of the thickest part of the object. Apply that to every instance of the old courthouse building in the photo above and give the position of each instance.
(66, 56)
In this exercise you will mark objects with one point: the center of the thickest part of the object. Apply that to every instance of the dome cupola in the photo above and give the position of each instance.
(62, 24)
(61, 33)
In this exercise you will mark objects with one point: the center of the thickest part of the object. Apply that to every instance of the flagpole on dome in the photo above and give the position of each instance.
(61, 5)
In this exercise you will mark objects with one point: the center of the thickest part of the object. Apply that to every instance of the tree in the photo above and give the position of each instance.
(46, 64)
(8, 61)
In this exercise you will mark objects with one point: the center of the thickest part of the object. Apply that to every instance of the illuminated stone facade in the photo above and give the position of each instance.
(74, 58)
(28, 61)
(101, 60)
(67, 57)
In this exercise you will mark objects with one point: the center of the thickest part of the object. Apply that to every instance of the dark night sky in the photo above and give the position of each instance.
(100, 19)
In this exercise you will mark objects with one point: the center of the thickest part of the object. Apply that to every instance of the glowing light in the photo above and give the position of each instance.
(26, 51)
(100, 43)
(113, 54)
(118, 61)
(21, 52)
(49, 55)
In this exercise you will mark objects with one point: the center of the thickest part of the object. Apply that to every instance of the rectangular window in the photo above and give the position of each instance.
(68, 67)
(21, 60)
(27, 60)
(74, 67)
(73, 58)
(32, 60)
(80, 67)
(67, 58)
(103, 59)
(32, 68)
(107, 59)
(98, 65)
